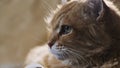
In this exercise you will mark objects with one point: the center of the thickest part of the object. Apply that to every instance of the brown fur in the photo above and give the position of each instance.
(95, 23)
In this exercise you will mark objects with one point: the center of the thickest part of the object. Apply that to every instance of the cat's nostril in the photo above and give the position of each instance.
(50, 44)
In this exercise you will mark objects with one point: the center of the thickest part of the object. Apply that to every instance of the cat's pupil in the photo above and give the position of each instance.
(65, 29)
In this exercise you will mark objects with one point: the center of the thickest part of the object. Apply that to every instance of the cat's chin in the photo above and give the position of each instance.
(60, 57)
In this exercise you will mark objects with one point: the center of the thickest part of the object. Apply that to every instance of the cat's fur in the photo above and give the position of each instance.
(41, 57)
(94, 40)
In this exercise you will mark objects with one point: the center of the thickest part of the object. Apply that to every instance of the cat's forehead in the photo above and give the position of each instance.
(69, 14)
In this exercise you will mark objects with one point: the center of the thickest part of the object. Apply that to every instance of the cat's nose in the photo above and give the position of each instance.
(50, 44)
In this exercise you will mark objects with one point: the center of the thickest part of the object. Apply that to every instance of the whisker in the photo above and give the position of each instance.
(74, 58)
(75, 51)
(78, 56)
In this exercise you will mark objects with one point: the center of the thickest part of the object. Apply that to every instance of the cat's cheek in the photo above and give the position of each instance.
(66, 38)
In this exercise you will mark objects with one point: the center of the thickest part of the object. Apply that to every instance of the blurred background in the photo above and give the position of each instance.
(22, 28)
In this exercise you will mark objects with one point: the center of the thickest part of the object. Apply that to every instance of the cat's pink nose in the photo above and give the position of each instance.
(50, 44)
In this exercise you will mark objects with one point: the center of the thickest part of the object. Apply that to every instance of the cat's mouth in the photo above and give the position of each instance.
(60, 55)
(59, 52)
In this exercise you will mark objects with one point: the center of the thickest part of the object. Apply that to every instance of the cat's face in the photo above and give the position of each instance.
(76, 34)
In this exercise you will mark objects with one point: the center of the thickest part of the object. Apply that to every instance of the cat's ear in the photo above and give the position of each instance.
(97, 8)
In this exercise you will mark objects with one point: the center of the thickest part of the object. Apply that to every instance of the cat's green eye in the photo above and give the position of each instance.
(65, 29)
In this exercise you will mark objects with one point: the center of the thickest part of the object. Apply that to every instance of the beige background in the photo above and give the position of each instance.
(21, 28)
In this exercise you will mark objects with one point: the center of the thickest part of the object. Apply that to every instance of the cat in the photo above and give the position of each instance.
(86, 34)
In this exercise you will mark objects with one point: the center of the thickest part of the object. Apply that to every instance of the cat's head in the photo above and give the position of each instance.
(78, 31)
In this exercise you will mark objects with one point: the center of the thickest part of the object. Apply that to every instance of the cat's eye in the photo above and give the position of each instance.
(65, 29)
